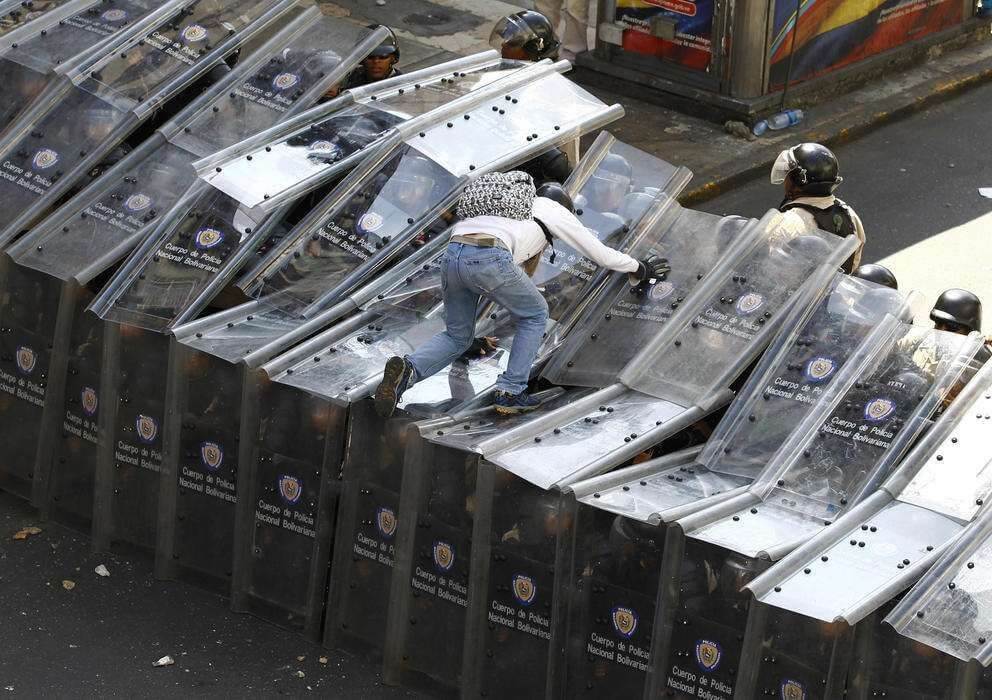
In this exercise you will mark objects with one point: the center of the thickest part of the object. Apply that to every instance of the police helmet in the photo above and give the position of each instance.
(528, 31)
(958, 310)
(389, 46)
(812, 168)
(556, 193)
(317, 65)
(879, 274)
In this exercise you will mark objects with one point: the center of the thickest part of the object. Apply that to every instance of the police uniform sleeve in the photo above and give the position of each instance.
(564, 226)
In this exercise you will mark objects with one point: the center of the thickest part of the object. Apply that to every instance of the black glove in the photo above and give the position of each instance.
(651, 269)
(481, 347)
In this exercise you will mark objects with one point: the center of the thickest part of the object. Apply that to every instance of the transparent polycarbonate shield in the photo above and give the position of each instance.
(795, 657)
(59, 146)
(433, 589)
(813, 345)
(235, 339)
(468, 430)
(292, 501)
(27, 330)
(705, 622)
(56, 41)
(650, 491)
(14, 14)
(336, 131)
(313, 150)
(135, 428)
(365, 539)
(623, 318)
(315, 56)
(612, 187)
(520, 589)
(74, 454)
(98, 226)
(359, 227)
(556, 453)
(145, 72)
(166, 279)
(955, 477)
(950, 609)
(206, 468)
(890, 665)
(731, 320)
(871, 425)
(607, 600)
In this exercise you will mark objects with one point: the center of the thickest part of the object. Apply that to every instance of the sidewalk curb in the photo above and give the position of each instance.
(899, 107)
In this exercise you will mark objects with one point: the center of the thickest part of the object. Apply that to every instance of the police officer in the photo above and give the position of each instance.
(960, 311)
(525, 36)
(879, 274)
(378, 65)
(529, 36)
(810, 174)
(606, 192)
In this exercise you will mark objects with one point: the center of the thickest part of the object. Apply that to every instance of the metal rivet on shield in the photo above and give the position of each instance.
(971, 565)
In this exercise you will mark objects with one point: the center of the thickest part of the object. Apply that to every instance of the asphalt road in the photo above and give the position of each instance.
(100, 638)
(909, 181)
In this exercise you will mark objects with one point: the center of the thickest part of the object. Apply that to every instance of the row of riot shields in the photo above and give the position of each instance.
(172, 276)
(479, 524)
(54, 271)
(611, 555)
(56, 144)
(849, 580)
(43, 42)
(237, 342)
(706, 633)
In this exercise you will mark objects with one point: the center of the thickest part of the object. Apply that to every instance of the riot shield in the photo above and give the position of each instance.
(27, 318)
(293, 71)
(623, 319)
(861, 425)
(801, 362)
(734, 313)
(14, 14)
(43, 43)
(49, 152)
(890, 665)
(279, 163)
(69, 493)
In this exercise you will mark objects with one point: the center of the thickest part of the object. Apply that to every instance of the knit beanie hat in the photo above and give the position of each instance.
(509, 195)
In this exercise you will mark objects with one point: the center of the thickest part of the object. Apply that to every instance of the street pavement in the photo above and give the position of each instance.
(100, 638)
(915, 185)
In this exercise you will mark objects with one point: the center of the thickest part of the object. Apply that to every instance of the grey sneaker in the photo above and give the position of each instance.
(396, 378)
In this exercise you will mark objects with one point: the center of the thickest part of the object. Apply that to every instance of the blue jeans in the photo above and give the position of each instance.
(469, 273)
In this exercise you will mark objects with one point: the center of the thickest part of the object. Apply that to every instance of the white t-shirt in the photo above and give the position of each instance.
(525, 239)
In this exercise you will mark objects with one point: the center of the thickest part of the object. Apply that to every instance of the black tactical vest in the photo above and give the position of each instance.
(835, 219)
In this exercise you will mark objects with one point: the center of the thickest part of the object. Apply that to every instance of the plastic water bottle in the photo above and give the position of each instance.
(782, 120)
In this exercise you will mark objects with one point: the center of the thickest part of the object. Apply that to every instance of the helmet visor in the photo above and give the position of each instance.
(784, 164)
(511, 31)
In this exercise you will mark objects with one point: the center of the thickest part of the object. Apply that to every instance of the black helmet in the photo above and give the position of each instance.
(879, 274)
(389, 45)
(959, 310)
(810, 167)
(556, 193)
(527, 30)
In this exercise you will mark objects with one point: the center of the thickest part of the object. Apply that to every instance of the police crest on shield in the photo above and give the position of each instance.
(444, 556)
(147, 428)
(137, 202)
(285, 81)
(44, 159)
(385, 521)
(792, 690)
(88, 400)
(749, 303)
(819, 369)
(26, 359)
(208, 238)
(524, 589)
(879, 409)
(624, 621)
(708, 654)
(290, 489)
(212, 455)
